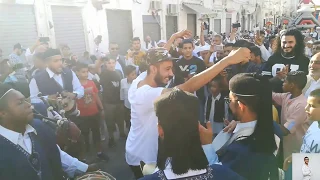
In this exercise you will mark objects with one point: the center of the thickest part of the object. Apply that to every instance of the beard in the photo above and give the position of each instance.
(159, 80)
(288, 54)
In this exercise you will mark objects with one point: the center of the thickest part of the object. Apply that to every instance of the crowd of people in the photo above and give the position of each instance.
(207, 107)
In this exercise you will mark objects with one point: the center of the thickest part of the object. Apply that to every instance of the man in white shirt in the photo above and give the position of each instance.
(306, 171)
(23, 139)
(142, 141)
(314, 75)
(55, 79)
(259, 40)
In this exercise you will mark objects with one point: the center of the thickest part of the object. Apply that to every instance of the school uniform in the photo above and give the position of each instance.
(215, 112)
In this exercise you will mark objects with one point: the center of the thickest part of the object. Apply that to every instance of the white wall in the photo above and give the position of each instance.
(298, 161)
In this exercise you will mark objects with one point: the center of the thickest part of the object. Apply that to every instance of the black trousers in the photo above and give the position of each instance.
(136, 171)
(127, 117)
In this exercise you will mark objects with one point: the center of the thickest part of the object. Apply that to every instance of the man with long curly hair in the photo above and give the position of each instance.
(288, 56)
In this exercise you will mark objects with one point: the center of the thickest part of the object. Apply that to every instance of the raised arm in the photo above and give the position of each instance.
(241, 55)
(181, 34)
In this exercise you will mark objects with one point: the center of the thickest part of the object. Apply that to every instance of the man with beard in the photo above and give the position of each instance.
(114, 54)
(313, 76)
(290, 53)
(55, 79)
(142, 141)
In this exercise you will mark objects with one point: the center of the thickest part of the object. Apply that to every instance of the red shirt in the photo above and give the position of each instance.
(88, 104)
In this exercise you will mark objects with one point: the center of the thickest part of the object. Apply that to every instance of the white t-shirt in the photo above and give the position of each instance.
(124, 92)
(311, 141)
(142, 141)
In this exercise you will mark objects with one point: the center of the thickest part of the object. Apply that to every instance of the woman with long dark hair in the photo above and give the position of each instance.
(180, 155)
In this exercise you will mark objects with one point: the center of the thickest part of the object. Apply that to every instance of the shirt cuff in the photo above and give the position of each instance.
(81, 166)
(210, 153)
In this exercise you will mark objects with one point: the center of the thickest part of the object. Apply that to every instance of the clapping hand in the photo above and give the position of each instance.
(283, 73)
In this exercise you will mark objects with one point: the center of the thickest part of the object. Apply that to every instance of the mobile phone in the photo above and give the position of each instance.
(44, 39)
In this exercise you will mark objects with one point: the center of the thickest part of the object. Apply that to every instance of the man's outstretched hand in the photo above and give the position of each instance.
(206, 134)
(241, 55)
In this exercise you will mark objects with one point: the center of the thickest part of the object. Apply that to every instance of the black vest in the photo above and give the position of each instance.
(219, 109)
(14, 163)
(49, 86)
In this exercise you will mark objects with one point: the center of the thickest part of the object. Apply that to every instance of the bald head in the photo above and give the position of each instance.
(314, 66)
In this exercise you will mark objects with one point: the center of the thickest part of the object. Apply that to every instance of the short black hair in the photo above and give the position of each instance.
(306, 157)
(255, 50)
(4, 88)
(186, 41)
(80, 66)
(229, 45)
(262, 32)
(217, 79)
(299, 78)
(129, 69)
(315, 94)
(243, 43)
(135, 39)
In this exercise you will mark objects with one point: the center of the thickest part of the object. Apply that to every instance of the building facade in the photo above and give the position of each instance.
(78, 22)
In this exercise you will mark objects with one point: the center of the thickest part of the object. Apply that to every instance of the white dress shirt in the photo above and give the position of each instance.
(119, 67)
(77, 87)
(310, 86)
(306, 172)
(70, 165)
(265, 54)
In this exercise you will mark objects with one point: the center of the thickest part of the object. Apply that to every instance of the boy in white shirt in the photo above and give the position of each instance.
(311, 139)
(131, 74)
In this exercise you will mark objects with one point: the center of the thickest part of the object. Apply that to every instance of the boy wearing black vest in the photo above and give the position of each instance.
(215, 106)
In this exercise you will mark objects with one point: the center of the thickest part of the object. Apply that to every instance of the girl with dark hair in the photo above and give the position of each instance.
(180, 155)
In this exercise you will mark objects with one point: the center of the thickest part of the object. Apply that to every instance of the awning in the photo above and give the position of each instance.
(205, 12)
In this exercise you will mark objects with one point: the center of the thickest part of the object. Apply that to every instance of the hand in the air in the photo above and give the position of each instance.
(230, 127)
(183, 34)
(241, 55)
(206, 134)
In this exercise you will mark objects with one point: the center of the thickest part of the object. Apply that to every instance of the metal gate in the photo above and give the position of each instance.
(151, 27)
(192, 23)
(172, 25)
(69, 28)
(217, 26)
(17, 25)
(120, 28)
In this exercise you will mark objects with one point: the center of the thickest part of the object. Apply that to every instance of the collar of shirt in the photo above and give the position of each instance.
(239, 126)
(14, 136)
(217, 98)
(51, 74)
